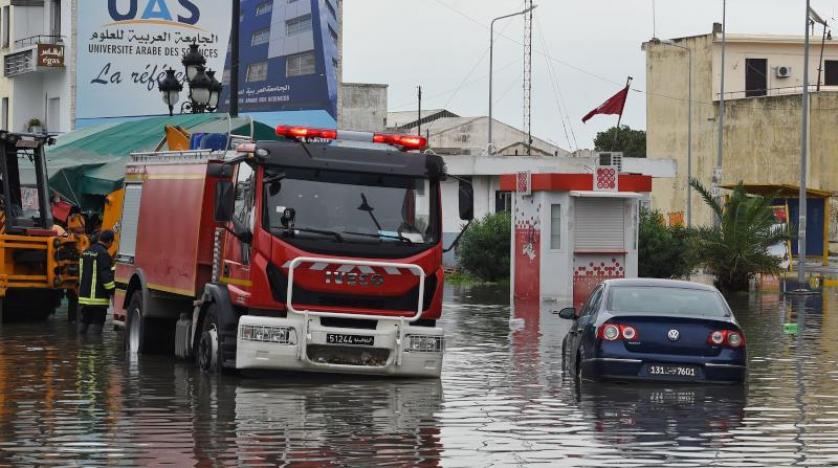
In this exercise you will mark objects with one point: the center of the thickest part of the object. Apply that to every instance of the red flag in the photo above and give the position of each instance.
(614, 105)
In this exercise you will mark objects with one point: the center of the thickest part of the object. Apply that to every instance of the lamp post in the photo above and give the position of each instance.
(170, 89)
(804, 148)
(490, 144)
(204, 88)
(689, 121)
(717, 172)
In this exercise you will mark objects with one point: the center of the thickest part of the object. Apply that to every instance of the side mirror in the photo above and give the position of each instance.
(568, 313)
(466, 201)
(225, 201)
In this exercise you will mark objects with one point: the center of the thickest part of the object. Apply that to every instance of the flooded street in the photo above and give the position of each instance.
(502, 401)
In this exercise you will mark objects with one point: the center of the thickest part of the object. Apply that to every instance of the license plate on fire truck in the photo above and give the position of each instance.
(335, 338)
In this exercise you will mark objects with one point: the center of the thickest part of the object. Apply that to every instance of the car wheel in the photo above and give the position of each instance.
(578, 366)
(208, 354)
(144, 335)
(134, 328)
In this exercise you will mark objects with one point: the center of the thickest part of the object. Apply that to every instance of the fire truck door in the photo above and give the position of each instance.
(236, 269)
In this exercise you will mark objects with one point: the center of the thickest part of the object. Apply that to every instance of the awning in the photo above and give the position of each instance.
(90, 162)
(595, 194)
(780, 190)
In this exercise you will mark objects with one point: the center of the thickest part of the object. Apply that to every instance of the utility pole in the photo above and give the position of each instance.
(234, 59)
(804, 143)
(419, 117)
(528, 74)
(717, 172)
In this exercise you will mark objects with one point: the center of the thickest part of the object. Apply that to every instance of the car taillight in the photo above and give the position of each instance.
(615, 331)
(729, 338)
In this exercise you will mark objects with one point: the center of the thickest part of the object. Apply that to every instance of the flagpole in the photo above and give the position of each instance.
(620, 117)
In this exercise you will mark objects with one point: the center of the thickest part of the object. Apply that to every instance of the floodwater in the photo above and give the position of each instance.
(502, 401)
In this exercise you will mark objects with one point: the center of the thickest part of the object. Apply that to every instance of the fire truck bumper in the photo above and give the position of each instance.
(391, 348)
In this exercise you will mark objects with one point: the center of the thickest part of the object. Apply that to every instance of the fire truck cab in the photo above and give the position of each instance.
(320, 253)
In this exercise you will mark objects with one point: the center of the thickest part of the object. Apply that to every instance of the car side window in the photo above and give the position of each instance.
(597, 301)
(593, 302)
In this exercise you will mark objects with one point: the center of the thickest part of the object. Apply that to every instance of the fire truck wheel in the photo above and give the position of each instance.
(134, 328)
(208, 353)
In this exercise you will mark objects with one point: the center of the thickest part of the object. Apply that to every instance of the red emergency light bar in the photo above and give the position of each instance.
(406, 142)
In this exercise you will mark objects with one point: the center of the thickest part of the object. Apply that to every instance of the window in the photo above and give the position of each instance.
(335, 63)
(225, 77)
(55, 20)
(260, 37)
(257, 72)
(6, 22)
(756, 77)
(300, 64)
(298, 25)
(334, 34)
(5, 112)
(830, 77)
(264, 8)
(331, 9)
(503, 201)
(670, 301)
(555, 227)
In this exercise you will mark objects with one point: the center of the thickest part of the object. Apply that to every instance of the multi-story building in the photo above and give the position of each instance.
(763, 111)
(36, 45)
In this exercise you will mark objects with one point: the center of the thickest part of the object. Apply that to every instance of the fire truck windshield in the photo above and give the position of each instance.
(352, 208)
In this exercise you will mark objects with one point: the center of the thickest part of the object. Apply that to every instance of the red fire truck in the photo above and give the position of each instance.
(320, 253)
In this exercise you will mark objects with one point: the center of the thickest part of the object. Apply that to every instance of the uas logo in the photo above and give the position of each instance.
(129, 10)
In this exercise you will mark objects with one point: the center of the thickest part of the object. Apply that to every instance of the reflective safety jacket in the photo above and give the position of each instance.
(95, 276)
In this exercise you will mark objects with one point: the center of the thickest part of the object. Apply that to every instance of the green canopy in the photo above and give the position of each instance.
(89, 163)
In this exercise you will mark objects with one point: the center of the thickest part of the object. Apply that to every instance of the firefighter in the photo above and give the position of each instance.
(96, 284)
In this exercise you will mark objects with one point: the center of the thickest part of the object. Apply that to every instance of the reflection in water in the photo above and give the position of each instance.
(502, 400)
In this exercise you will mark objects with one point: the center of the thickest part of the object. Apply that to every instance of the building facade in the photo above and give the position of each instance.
(35, 41)
(763, 111)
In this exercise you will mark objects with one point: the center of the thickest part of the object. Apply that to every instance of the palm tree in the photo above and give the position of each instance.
(737, 249)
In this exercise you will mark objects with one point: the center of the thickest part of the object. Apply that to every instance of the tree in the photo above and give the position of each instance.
(664, 251)
(631, 142)
(737, 249)
(485, 247)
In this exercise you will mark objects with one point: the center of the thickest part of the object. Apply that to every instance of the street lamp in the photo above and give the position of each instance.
(490, 147)
(170, 89)
(689, 120)
(192, 60)
(204, 88)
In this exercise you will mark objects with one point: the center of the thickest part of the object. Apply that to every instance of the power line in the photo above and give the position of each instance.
(557, 94)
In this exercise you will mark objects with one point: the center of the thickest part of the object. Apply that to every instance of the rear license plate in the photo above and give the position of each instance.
(667, 370)
(334, 338)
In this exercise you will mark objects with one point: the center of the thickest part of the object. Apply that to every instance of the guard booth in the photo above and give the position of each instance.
(571, 232)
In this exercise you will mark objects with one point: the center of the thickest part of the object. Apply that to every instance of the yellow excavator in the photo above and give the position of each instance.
(38, 260)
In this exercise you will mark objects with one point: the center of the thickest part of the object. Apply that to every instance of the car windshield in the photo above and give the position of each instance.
(666, 301)
(353, 207)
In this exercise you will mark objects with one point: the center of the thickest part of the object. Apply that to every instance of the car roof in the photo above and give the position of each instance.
(660, 283)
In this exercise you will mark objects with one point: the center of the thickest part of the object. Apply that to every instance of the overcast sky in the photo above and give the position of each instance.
(592, 45)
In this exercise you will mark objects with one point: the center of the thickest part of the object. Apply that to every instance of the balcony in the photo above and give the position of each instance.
(34, 54)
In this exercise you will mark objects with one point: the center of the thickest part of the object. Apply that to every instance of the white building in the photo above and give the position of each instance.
(37, 64)
(449, 133)
(485, 174)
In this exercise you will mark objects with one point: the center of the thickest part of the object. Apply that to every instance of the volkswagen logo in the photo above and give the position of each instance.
(673, 335)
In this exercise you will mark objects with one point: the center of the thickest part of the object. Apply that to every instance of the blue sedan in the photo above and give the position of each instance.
(651, 329)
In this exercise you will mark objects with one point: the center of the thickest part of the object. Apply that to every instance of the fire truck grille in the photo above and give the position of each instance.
(347, 355)
(406, 302)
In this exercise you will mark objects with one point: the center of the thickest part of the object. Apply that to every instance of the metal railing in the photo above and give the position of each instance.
(39, 39)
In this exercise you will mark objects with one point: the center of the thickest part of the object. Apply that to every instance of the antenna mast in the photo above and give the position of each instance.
(528, 74)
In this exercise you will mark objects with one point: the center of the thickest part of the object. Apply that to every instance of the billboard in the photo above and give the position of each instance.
(124, 46)
(289, 54)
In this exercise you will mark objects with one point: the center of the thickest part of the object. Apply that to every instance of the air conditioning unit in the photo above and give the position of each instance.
(610, 159)
(783, 71)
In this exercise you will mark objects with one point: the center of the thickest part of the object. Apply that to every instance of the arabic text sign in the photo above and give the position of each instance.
(125, 46)
(51, 55)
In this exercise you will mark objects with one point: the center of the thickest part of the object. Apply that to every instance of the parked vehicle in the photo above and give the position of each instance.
(309, 254)
(655, 329)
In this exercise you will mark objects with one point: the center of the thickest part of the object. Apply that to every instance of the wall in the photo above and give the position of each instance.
(363, 107)
(761, 134)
